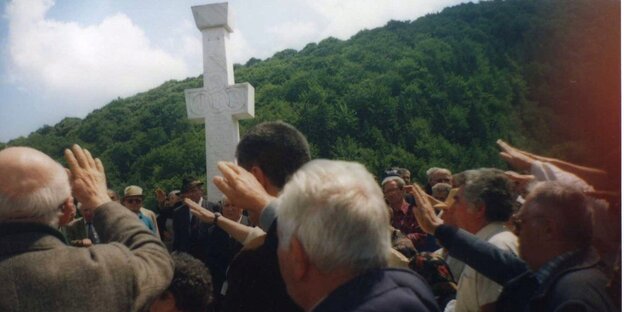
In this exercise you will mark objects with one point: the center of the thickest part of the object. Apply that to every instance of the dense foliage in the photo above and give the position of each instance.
(437, 91)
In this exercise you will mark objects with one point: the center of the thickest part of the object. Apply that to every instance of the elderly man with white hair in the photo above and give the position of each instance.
(334, 242)
(39, 272)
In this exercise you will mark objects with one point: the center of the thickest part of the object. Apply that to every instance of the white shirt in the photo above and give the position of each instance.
(475, 290)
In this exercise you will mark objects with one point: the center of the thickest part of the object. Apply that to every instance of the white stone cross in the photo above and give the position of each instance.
(220, 103)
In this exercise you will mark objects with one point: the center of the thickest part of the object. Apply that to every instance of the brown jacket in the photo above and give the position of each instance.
(39, 272)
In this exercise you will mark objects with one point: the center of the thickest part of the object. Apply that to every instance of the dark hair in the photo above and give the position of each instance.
(191, 285)
(188, 183)
(276, 147)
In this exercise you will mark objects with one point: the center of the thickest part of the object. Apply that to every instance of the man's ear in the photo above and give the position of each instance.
(260, 176)
(165, 302)
(66, 205)
(300, 260)
(264, 181)
(480, 209)
(549, 229)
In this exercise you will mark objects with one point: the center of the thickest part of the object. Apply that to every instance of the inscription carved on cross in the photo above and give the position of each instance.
(220, 103)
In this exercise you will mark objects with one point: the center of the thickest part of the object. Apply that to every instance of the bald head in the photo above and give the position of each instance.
(33, 186)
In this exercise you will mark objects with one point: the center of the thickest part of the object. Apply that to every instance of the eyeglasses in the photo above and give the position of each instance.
(134, 200)
(519, 223)
(396, 189)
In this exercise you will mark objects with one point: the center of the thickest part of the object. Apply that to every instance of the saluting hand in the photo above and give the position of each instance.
(242, 187)
(87, 177)
(423, 211)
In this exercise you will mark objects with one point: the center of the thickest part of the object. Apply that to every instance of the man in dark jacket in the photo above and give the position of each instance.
(560, 271)
(270, 152)
(333, 244)
(191, 235)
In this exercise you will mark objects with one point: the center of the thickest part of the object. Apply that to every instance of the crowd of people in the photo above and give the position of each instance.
(295, 234)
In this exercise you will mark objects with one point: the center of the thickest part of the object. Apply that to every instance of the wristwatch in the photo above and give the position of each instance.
(216, 218)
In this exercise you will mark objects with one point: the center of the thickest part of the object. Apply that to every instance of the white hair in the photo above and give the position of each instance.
(433, 170)
(337, 211)
(41, 205)
(399, 181)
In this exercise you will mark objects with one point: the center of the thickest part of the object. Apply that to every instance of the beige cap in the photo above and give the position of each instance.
(133, 190)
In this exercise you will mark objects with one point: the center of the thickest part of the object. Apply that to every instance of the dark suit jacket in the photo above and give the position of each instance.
(255, 282)
(191, 235)
(39, 272)
(221, 250)
(577, 284)
(381, 290)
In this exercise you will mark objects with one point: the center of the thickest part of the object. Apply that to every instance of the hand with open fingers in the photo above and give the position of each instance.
(520, 181)
(200, 212)
(241, 187)
(87, 177)
(160, 196)
(514, 157)
(423, 211)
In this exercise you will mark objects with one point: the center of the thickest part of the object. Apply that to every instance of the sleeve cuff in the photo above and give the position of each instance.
(446, 235)
(268, 215)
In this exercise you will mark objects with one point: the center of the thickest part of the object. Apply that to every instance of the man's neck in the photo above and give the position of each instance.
(476, 226)
(550, 252)
(272, 190)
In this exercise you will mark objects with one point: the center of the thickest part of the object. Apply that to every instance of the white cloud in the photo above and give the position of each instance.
(344, 18)
(293, 34)
(87, 65)
(240, 49)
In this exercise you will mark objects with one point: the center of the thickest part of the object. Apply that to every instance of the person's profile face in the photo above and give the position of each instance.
(69, 212)
(194, 194)
(407, 177)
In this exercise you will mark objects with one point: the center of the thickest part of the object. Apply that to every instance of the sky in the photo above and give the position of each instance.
(66, 58)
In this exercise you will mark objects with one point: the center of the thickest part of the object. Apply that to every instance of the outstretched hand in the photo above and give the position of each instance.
(161, 197)
(200, 212)
(241, 187)
(516, 158)
(423, 211)
(87, 177)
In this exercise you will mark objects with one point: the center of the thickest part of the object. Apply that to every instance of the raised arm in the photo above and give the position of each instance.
(244, 190)
(145, 255)
(520, 159)
(494, 263)
(237, 230)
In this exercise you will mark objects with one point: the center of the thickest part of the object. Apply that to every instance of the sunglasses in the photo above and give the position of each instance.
(134, 200)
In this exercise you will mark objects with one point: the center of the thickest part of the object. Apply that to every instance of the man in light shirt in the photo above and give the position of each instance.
(482, 206)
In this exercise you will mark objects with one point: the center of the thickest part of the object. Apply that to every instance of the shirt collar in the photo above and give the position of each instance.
(491, 229)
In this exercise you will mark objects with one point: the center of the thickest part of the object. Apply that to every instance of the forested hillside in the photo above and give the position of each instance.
(436, 91)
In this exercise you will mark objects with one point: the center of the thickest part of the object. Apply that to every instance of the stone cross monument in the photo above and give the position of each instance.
(220, 103)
